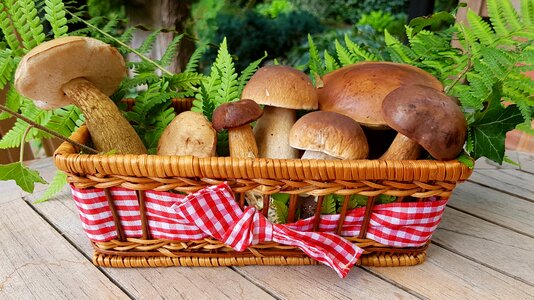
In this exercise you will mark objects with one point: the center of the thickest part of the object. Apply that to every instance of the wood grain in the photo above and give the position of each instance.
(487, 243)
(512, 181)
(153, 283)
(37, 263)
(445, 275)
(500, 208)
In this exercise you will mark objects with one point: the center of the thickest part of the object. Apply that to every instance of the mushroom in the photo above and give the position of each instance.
(282, 90)
(189, 133)
(236, 117)
(81, 71)
(358, 90)
(427, 117)
(328, 135)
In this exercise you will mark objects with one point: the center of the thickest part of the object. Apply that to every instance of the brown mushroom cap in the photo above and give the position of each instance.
(281, 86)
(429, 117)
(236, 114)
(46, 68)
(331, 133)
(358, 90)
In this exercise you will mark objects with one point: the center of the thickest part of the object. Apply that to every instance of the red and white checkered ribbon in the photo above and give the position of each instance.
(406, 224)
(215, 211)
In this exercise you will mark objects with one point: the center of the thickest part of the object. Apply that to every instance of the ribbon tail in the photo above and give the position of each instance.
(327, 248)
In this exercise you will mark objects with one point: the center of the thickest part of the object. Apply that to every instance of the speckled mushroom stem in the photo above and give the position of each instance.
(402, 148)
(108, 127)
(272, 133)
(242, 142)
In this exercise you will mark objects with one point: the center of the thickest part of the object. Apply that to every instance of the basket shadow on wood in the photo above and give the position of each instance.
(418, 180)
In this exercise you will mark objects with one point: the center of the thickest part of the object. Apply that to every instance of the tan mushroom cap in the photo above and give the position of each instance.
(281, 86)
(358, 90)
(429, 117)
(44, 70)
(331, 133)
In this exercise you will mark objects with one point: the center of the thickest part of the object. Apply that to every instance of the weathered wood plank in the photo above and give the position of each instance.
(512, 181)
(526, 161)
(445, 275)
(497, 207)
(153, 283)
(487, 243)
(320, 282)
(37, 263)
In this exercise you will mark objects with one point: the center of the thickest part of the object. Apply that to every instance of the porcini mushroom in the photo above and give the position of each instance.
(189, 133)
(282, 90)
(427, 117)
(81, 71)
(328, 135)
(236, 117)
(358, 90)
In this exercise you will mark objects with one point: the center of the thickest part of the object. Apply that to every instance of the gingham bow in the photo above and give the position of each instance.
(215, 212)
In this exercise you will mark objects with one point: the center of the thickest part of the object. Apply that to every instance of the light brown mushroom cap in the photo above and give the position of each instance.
(331, 133)
(281, 86)
(429, 117)
(235, 114)
(358, 90)
(44, 70)
(189, 133)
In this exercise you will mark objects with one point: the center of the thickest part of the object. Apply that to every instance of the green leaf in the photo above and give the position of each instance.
(490, 127)
(434, 21)
(58, 182)
(55, 14)
(385, 199)
(465, 159)
(329, 205)
(281, 204)
(23, 176)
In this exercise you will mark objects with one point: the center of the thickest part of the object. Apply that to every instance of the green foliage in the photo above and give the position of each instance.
(55, 14)
(23, 176)
(274, 8)
(494, 54)
(55, 186)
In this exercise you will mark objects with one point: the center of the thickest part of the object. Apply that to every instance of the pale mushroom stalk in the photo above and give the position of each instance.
(310, 154)
(109, 129)
(242, 142)
(272, 133)
(402, 148)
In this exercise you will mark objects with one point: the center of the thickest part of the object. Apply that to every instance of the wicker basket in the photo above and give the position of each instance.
(421, 180)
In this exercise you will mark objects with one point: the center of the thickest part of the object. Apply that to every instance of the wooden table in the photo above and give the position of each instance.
(484, 249)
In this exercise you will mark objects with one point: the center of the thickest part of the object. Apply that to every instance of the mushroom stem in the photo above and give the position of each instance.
(310, 154)
(108, 127)
(241, 142)
(402, 148)
(272, 133)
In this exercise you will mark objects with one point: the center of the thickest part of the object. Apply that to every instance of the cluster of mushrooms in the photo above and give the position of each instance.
(377, 96)
(352, 109)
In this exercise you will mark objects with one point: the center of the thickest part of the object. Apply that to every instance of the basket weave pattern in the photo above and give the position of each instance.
(407, 180)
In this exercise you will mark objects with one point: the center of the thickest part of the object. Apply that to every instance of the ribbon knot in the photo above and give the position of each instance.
(215, 212)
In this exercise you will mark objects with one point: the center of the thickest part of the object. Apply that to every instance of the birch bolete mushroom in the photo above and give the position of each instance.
(427, 117)
(236, 117)
(84, 72)
(328, 135)
(282, 90)
(358, 90)
(189, 133)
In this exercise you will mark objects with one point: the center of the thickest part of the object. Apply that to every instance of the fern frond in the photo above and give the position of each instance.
(55, 186)
(192, 64)
(170, 52)
(203, 102)
(497, 17)
(315, 64)
(358, 52)
(527, 10)
(186, 81)
(64, 120)
(525, 110)
(162, 120)
(228, 90)
(10, 34)
(139, 79)
(481, 29)
(330, 62)
(343, 55)
(7, 67)
(13, 138)
(248, 72)
(398, 52)
(55, 14)
(28, 23)
(13, 102)
(148, 43)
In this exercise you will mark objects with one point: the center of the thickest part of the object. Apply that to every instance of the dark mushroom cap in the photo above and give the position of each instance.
(358, 90)
(429, 117)
(331, 133)
(235, 114)
(281, 86)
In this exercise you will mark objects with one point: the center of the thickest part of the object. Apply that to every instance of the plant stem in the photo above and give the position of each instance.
(122, 44)
(51, 132)
(23, 143)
